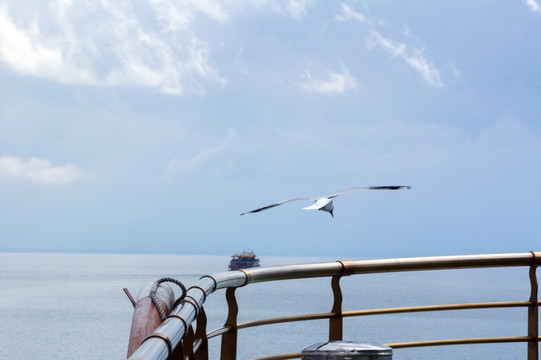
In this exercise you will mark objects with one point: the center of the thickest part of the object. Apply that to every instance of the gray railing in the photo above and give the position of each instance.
(175, 337)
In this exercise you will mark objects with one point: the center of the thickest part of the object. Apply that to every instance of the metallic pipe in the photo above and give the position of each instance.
(281, 357)
(229, 279)
(506, 304)
(284, 319)
(175, 327)
(353, 313)
(459, 342)
(218, 332)
(390, 265)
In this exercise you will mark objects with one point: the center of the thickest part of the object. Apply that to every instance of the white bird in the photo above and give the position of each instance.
(325, 203)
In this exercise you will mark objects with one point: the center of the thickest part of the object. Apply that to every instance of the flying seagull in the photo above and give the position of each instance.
(324, 203)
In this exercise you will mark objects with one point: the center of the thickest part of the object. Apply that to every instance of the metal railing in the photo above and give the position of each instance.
(176, 339)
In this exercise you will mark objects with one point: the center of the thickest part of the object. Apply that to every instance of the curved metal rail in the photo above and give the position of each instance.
(175, 337)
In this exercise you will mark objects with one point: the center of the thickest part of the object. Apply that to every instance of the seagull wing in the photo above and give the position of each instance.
(388, 187)
(279, 203)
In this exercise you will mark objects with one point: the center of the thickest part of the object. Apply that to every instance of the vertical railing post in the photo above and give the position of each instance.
(178, 353)
(533, 317)
(202, 352)
(229, 339)
(335, 322)
(187, 344)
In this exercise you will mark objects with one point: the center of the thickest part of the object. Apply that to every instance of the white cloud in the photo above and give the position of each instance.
(430, 74)
(335, 83)
(25, 53)
(178, 16)
(295, 8)
(455, 71)
(209, 160)
(241, 65)
(415, 58)
(348, 13)
(109, 44)
(396, 49)
(40, 171)
(533, 5)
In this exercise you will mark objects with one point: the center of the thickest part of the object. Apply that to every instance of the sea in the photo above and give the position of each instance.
(72, 306)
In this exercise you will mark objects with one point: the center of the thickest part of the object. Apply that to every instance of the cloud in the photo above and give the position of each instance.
(109, 44)
(177, 16)
(335, 83)
(348, 13)
(209, 160)
(25, 53)
(415, 58)
(298, 8)
(295, 8)
(533, 5)
(40, 171)
(428, 154)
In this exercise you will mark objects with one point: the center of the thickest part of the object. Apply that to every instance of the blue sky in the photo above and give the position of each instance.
(149, 126)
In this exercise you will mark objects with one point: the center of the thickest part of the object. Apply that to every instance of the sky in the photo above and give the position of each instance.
(150, 126)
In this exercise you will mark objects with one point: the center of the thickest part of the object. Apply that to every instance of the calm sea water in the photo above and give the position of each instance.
(71, 306)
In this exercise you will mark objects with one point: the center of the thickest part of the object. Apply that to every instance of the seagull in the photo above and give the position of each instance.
(325, 203)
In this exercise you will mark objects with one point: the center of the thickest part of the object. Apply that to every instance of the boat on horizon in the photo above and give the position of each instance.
(244, 260)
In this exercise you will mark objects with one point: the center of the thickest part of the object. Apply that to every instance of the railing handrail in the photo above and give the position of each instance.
(369, 312)
(349, 267)
(168, 336)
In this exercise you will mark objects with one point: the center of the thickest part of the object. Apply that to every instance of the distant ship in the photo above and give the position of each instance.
(243, 261)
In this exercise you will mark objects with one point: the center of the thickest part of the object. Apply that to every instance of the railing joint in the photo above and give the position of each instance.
(213, 279)
(165, 339)
(348, 267)
(248, 277)
(201, 289)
